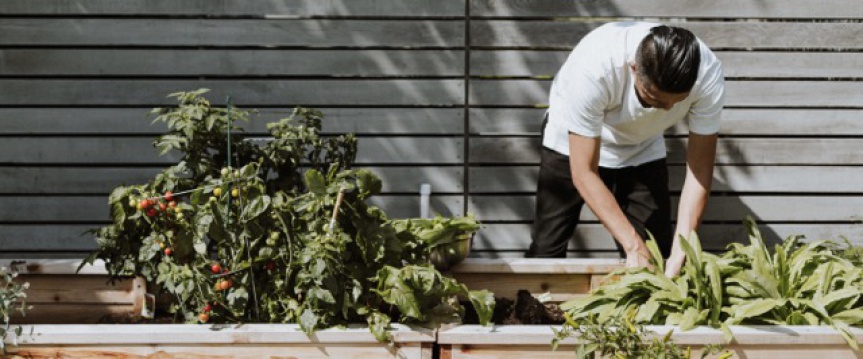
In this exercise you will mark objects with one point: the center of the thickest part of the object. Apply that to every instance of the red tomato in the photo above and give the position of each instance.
(169, 196)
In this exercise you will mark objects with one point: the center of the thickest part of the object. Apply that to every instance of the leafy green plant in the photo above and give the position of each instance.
(12, 297)
(798, 284)
(618, 337)
(274, 231)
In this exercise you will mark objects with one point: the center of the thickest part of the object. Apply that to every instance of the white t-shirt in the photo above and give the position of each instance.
(593, 95)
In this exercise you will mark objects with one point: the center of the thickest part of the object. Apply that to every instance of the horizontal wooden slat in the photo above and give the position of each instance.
(102, 180)
(744, 151)
(536, 266)
(843, 9)
(57, 266)
(766, 121)
(94, 209)
(720, 208)
(75, 313)
(42, 121)
(193, 62)
(220, 33)
(738, 93)
(248, 93)
(81, 289)
(734, 64)
(718, 34)
(559, 287)
(303, 8)
(787, 179)
(714, 237)
(235, 334)
(783, 336)
(92, 150)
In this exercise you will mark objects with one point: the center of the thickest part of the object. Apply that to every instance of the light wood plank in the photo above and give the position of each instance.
(665, 8)
(134, 150)
(592, 236)
(559, 287)
(194, 62)
(773, 179)
(534, 93)
(536, 266)
(735, 64)
(234, 32)
(735, 121)
(244, 333)
(292, 8)
(729, 151)
(716, 34)
(94, 209)
(361, 121)
(76, 313)
(228, 351)
(248, 93)
(782, 335)
(56, 267)
(724, 208)
(99, 180)
(50, 289)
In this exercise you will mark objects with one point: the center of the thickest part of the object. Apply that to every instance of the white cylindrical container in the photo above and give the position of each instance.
(425, 194)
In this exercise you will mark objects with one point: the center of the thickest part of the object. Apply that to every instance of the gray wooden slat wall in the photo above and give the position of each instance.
(447, 92)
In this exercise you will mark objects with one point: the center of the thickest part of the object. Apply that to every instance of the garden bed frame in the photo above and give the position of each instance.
(58, 295)
(217, 341)
(561, 279)
(755, 342)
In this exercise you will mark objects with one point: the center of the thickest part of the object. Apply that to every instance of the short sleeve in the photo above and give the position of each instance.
(703, 117)
(579, 97)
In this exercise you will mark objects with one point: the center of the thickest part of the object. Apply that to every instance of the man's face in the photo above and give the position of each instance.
(650, 96)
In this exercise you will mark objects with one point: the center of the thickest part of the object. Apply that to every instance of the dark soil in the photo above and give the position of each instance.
(524, 310)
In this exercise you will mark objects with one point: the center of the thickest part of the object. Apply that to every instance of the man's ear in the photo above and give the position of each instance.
(633, 67)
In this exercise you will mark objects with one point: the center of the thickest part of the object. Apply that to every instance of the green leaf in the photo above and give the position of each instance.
(483, 302)
(316, 183)
(309, 321)
(658, 261)
(256, 206)
(755, 308)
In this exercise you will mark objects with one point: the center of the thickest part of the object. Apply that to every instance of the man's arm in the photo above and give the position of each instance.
(584, 166)
(700, 157)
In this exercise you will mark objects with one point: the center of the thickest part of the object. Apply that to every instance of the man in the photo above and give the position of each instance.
(621, 87)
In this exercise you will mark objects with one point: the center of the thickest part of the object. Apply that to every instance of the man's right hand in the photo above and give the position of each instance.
(638, 258)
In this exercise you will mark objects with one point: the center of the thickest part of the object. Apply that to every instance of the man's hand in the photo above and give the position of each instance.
(673, 265)
(638, 258)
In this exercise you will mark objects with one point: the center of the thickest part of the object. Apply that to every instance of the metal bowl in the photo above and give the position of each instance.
(446, 255)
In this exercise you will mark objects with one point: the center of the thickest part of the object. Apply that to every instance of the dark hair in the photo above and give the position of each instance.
(669, 58)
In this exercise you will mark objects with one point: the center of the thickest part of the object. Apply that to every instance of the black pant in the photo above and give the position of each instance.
(641, 191)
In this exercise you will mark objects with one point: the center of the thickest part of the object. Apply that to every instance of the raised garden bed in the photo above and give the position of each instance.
(60, 296)
(217, 341)
(561, 279)
(757, 342)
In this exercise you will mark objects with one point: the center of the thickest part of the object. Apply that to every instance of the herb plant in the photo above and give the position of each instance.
(272, 231)
(12, 297)
(816, 283)
(618, 337)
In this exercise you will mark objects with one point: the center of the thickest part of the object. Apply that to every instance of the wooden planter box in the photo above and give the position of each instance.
(216, 341)
(757, 342)
(60, 296)
(562, 279)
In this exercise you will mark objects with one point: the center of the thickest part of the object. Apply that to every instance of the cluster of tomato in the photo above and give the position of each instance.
(222, 283)
(153, 206)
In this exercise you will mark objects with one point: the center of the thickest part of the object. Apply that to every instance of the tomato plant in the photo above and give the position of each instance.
(272, 230)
